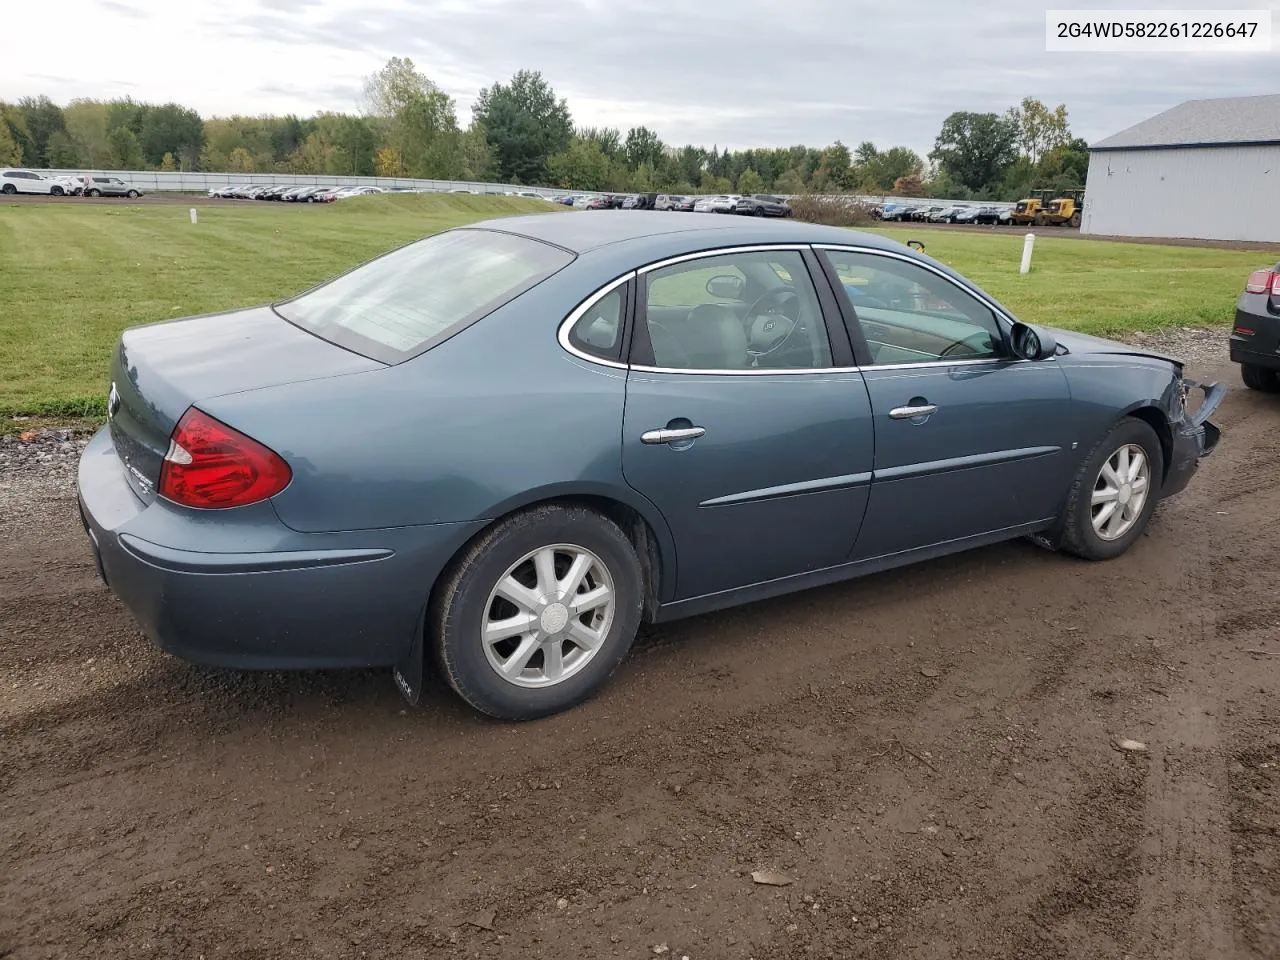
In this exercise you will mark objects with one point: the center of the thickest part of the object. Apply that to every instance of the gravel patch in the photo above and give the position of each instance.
(1194, 346)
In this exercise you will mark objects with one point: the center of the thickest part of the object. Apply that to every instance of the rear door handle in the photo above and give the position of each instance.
(910, 413)
(672, 434)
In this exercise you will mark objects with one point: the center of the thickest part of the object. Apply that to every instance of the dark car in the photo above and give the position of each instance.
(744, 408)
(1255, 338)
(762, 205)
(683, 204)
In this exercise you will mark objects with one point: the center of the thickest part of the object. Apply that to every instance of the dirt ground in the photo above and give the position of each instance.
(927, 754)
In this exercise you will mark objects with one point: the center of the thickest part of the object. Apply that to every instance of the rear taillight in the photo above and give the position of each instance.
(1264, 281)
(210, 465)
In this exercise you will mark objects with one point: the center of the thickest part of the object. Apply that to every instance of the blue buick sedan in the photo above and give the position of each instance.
(495, 451)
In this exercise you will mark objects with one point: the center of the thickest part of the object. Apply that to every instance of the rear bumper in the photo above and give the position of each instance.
(1194, 438)
(245, 591)
(1255, 337)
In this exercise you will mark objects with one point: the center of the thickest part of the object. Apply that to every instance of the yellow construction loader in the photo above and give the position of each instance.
(1063, 210)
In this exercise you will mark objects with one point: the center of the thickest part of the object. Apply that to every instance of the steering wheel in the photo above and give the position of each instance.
(769, 324)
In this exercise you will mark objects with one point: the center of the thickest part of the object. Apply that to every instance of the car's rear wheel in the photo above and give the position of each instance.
(1115, 492)
(9, 188)
(1260, 378)
(95, 192)
(537, 613)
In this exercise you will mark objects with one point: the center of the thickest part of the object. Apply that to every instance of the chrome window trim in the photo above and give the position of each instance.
(567, 323)
(720, 252)
(592, 299)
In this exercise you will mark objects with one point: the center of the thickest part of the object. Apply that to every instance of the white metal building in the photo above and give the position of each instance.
(1206, 169)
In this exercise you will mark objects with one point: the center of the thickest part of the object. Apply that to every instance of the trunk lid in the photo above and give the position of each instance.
(160, 369)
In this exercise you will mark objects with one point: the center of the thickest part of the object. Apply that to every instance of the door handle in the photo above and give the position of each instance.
(910, 413)
(672, 434)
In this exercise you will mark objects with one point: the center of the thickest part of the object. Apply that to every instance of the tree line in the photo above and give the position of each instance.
(521, 132)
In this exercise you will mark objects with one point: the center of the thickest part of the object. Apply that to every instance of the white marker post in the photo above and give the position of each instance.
(193, 220)
(1027, 245)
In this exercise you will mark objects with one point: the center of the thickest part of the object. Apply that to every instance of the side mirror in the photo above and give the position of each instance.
(1028, 343)
(725, 287)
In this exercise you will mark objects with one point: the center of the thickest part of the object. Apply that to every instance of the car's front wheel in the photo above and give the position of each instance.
(56, 191)
(1260, 378)
(1115, 492)
(132, 194)
(537, 613)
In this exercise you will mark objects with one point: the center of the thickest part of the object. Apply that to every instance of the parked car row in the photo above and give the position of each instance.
(753, 204)
(928, 212)
(290, 192)
(14, 181)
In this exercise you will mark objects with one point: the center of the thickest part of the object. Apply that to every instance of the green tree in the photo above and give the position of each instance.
(608, 139)
(240, 160)
(477, 158)
(750, 182)
(525, 124)
(1039, 128)
(86, 125)
(876, 170)
(834, 167)
(583, 166)
(171, 128)
(10, 152)
(42, 118)
(976, 149)
(126, 153)
(61, 152)
(791, 182)
(416, 119)
(168, 163)
(642, 146)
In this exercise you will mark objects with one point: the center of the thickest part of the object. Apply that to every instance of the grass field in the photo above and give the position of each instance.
(72, 277)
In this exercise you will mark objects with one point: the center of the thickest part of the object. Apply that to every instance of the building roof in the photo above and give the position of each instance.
(1202, 123)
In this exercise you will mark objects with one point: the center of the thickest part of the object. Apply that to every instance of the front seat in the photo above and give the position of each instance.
(712, 337)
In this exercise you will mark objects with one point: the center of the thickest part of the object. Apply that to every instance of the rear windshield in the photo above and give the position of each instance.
(405, 302)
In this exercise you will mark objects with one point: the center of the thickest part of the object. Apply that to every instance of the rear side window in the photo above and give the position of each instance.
(406, 301)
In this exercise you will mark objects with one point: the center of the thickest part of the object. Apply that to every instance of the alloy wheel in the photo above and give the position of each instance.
(1120, 492)
(548, 616)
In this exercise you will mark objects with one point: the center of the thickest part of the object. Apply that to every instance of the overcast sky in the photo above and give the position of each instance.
(736, 73)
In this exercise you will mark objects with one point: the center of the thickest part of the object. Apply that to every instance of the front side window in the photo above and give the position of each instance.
(736, 311)
(912, 315)
(401, 303)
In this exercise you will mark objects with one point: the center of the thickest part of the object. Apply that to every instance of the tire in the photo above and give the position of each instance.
(9, 188)
(467, 597)
(1260, 378)
(55, 192)
(95, 192)
(758, 212)
(1075, 220)
(1079, 534)
(132, 194)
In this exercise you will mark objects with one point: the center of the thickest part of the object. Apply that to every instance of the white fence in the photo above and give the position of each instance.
(157, 181)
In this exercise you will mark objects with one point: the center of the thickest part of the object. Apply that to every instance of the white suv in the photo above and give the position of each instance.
(24, 181)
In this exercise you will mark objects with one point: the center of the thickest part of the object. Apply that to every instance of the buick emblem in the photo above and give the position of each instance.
(113, 401)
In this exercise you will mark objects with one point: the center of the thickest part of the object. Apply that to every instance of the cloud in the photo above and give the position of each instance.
(735, 73)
